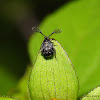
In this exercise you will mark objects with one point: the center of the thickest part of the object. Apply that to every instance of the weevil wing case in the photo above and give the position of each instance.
(47, 48)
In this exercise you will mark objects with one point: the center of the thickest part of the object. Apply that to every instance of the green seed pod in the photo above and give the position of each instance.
(54, 78)
(7, 98)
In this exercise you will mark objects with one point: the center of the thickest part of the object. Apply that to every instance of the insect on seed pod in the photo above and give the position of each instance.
(47, 47)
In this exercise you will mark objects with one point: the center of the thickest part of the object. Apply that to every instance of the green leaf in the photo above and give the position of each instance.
(7, 98)
(80, 23)
(7, 80)
(53, 77)
(21, 91)
(93, 95)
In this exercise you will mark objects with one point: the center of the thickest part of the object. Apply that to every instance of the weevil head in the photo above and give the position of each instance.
(46, 38)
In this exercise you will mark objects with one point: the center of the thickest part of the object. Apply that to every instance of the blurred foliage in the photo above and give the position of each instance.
(13, 58)
(16, 20)
(7, 80)
(13, 51)
(80, 22)
(21, 91)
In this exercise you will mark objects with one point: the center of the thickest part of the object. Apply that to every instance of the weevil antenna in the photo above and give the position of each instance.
(56, 31)
(36, 29)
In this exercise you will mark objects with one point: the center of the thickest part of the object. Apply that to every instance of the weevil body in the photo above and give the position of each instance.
(47, 47)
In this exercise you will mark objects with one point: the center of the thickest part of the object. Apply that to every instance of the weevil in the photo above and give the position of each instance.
(47, 47)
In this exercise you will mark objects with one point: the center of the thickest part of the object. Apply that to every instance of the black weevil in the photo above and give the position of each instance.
(47, 47)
